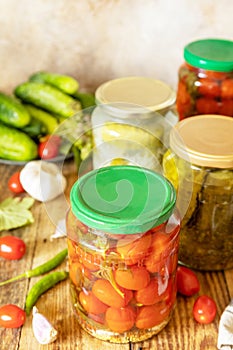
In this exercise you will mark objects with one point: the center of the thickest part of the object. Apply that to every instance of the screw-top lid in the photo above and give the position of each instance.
(149, 93)
(210, 54)
(122, 199)
(204, 140)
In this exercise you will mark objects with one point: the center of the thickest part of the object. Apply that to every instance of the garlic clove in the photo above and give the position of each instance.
(43, 331)
(42, 180)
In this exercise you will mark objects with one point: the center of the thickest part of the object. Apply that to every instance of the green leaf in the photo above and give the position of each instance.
(14, 212)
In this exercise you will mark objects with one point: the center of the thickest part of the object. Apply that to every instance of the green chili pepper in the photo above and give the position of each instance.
(41, 269)
(44, 284)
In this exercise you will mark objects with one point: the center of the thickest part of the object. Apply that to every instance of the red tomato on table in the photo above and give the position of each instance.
(204, 309)
(187, 281)
(12, 248)
(14, 183)
(12, 316)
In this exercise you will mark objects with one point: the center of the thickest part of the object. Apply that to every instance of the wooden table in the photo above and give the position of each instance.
(181, 333)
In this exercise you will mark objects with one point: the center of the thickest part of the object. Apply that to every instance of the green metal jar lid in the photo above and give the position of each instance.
(122, 199)
(210, 54)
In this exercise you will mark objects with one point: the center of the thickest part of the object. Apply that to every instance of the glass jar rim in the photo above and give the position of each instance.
(122, 199)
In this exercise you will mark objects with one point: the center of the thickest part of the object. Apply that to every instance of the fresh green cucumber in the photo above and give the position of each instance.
(48, 97)
(16, 145)
(64, 83)
(86, 99)
(49, 121)
(12, 112)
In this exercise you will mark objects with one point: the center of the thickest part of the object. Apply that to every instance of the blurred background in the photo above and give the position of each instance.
(97, 40)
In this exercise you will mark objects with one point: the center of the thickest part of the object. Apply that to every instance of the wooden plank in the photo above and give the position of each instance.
(182, 332)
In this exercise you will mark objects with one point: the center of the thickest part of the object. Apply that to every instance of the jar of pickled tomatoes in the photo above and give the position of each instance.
(205, 84)
(123, 234)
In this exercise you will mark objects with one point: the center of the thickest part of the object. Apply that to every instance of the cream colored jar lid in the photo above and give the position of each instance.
(205, 140)
(146, 92)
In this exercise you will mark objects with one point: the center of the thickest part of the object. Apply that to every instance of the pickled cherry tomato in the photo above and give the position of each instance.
(160, 245)
(77, 271)
(226, 107)
(12, 316)
(152, 315)
(227, 88)
(208, 87)
(133, 248)
(90, 261)
(133, 278)
(120, 320)
(206, 105)
(72, 249)
(152, 293)
(204, 309)
(92, 304)
(111, 296)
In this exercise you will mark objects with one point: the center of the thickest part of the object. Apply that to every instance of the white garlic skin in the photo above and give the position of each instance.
(43, 331)
(42, 180)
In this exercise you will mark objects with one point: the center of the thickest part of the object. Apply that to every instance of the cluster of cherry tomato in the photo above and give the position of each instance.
(204, 308)
(204, 92)
(12, 248)
(132, 285)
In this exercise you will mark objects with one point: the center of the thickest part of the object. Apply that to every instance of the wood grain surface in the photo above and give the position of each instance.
(181, 333)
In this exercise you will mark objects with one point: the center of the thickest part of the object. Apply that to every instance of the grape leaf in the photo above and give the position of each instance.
(14, 212)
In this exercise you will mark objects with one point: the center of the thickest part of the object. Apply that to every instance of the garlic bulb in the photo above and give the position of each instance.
(43, 331)
(42, 180)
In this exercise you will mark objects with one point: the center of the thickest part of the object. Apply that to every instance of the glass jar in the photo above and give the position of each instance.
(129, 122)
(205, 84)
(200, 166)
(123, 234)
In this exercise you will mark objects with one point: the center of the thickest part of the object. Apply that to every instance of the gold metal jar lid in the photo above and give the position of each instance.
(149, 93)
(205, 140)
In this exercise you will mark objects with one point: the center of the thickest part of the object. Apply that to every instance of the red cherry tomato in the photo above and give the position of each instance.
(14, 183)
(12, 248)
(49, 146)
(187, 281)
(12, 316)
(204, 309)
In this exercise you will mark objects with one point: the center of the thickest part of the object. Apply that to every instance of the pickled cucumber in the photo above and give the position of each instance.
(113, 131)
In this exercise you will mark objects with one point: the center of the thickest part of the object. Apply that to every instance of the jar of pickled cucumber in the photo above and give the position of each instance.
(200, 166)
(123, 233)
(130, 121)
(205, 84)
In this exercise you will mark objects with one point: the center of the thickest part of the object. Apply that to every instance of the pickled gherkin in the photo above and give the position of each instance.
(114, 131)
